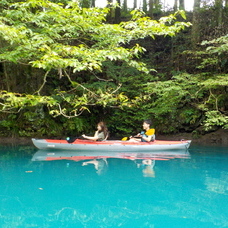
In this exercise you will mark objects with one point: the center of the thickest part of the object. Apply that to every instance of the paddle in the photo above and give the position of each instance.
(136, 136)
(149, 133)
(72, 139)
(125, 138)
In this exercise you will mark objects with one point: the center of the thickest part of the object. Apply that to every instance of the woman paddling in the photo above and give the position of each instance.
(101, 133)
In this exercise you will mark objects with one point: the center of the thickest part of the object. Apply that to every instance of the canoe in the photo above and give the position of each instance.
(111, 145)
(50, 155)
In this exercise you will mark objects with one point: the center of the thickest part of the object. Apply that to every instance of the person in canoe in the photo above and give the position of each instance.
(147, 135)
(101, 133)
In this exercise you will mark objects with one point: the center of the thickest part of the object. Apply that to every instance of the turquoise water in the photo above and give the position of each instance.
(168, 189)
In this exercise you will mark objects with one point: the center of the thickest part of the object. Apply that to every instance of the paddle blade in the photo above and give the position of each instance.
(124, 139)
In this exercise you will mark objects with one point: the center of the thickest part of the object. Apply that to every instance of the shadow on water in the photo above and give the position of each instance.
(112, 189)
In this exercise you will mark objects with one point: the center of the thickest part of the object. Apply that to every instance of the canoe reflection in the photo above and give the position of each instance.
(142, 160)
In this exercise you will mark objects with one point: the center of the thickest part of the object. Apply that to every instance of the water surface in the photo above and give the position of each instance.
(84, 189)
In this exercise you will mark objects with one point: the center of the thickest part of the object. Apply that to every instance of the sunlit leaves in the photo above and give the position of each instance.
(215, 54)
(15, 100)
(51, 35)
(71, 39)
(216, 81)
(219, 45)
(215, 119)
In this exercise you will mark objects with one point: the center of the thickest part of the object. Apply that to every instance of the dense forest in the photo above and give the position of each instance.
(65, 65)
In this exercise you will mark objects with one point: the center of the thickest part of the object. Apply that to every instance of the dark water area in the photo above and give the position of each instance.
(85, 189)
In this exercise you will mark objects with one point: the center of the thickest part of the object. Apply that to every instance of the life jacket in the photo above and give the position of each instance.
(150, 132)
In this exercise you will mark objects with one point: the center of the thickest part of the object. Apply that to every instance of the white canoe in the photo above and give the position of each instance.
(111, 145)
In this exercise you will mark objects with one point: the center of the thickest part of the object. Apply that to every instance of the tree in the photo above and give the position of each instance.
(154, 7)
(117, 13)
(125, 5)
(195, 26)
(144, 7)
(179, 4)
(219, 9)
(135, 4)
(151, 6)
(157, 3)
(175, 7)
(189, 98)
(110, 14)
(182, 5)
(71, 46)
(85, 3)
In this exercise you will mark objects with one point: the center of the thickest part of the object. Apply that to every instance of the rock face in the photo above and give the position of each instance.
(219, 137)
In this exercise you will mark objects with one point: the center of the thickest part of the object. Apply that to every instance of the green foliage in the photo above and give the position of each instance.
(61, 37)
(215, 119)
(215, 81)
(127, 122)
(183, 100)
(217, 50)
(218, 45)
(213, 57)
(35, 122)
(68, 40)
(9, 125)
(80, 65)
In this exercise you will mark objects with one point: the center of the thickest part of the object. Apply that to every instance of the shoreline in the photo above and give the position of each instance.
(219, 137)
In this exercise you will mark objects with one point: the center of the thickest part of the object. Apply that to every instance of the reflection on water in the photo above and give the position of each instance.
(147, 167)
(142, 160)
(92, 189)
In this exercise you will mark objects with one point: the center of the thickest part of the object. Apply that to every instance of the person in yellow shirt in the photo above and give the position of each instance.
(147, 135)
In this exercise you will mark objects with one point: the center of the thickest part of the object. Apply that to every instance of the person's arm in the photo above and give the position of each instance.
(148, 138)
(150, 134)
(95, 137)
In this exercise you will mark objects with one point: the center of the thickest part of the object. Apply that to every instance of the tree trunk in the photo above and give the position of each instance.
(151, 6)
(85, 3)
(125, 5)
(93, 3)
(175, 5)
(181, 5)
(117, 13)
(135, 4)
(156, 4)
(219, 9)
(12, 72)
(195, 24)
(145, 6)
(110, 14)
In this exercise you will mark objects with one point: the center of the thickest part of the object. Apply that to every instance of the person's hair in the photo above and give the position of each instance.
(103, 128)
(148, 122)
